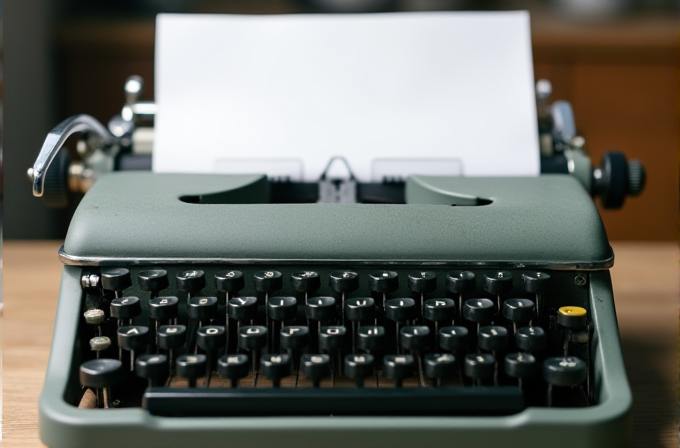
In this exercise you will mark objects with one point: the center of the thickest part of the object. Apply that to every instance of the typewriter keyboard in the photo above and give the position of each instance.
(372, 340)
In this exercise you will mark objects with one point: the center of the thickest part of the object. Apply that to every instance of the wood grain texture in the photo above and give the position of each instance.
(645, 280)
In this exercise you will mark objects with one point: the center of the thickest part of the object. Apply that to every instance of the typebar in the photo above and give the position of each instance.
(504, 400)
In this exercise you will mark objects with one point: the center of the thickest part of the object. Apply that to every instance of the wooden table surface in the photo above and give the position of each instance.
(645, 286)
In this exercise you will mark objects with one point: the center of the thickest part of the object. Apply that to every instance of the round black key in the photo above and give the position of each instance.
(243, 309)
(191, 367)
(171, 337)
(163, 308)
(190, 281)
(519, 311)
(499, 282)
(316, 367)
(275, 367)
(460, 282)
(229, 281)
(133, 337)
(383, 281)
(371, 338)
(282, 308)
(573, 317)
(252, 337)
(414, 337)
(536, 282)
(401, 310)
(360, 309)
(492, 338)
(294, 338)
(439, 310)
(126, 307)
(398, 367)
(211, 337)
(100, 373)
(115, 279)
(153, 280)
(320, 308)
(268, 281)
(520, 365)
(530, 338)
(567, 372)
(479, 366)
(233, 367)
(202, 308)
(422, 282)
(344, 281)
(439, 366)
(359, 367)
(153, 368)
(305, 281)
(332, 338)
(453, 338)
(479, 310)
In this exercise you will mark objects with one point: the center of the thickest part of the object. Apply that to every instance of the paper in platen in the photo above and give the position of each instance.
(284, 94)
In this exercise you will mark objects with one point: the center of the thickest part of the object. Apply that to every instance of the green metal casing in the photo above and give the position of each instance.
(547, 222)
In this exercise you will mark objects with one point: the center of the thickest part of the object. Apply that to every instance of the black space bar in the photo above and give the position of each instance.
(503, 400)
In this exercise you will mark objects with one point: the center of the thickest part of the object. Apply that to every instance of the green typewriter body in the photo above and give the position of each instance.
(193, 312)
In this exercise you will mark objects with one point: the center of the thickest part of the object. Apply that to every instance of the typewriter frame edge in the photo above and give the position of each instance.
(605, 424)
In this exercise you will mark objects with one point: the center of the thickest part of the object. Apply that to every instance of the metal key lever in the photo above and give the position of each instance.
(100, 138)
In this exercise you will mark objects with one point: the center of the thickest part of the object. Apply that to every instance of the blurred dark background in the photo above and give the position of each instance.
(615, 61)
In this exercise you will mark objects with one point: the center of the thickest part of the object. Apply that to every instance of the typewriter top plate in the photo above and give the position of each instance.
(139, 218)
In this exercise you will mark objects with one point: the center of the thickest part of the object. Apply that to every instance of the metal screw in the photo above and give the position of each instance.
(580, 280)
(89, 281)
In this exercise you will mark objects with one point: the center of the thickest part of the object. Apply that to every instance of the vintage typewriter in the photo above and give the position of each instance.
(200, 310)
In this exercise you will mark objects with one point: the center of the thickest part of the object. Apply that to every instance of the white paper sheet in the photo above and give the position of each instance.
(235, 91)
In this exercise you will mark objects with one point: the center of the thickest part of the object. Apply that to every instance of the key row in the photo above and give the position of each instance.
(308, 282)
(102, 374)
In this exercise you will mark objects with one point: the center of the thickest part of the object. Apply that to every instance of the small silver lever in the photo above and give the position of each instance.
(56, 139)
